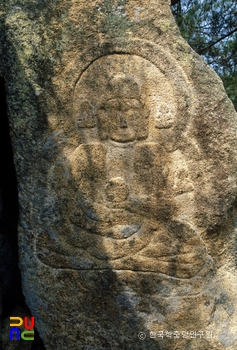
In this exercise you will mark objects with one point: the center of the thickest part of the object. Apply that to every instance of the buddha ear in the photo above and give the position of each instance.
(85, 115)
(147, 112)
(143, 124)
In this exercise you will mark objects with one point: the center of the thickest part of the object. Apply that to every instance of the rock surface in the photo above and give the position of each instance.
(125, 150)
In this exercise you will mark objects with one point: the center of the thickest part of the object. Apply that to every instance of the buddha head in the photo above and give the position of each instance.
(122, 116)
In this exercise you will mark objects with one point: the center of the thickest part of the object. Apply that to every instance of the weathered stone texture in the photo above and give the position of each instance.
(125, 150)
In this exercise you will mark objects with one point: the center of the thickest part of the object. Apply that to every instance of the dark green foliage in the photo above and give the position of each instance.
(210, 27)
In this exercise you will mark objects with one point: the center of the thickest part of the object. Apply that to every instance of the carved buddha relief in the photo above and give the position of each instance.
(119, 179)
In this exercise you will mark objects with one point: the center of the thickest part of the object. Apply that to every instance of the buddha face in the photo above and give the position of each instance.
(123, 117)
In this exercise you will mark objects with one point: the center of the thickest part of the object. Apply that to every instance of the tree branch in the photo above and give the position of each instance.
(200, 51)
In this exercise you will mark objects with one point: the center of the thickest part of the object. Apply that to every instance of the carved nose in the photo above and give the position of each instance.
(123, 122)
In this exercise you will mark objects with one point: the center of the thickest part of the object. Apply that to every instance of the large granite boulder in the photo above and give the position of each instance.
(125, 150)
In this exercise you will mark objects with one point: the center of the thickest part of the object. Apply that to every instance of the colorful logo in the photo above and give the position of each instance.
(16, 333)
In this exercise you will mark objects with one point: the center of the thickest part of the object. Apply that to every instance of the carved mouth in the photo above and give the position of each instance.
(123, 231)
(123, 135)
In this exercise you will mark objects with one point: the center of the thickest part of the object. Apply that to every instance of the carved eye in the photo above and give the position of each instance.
(112, 104)
(133, 104)
(85, 117)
